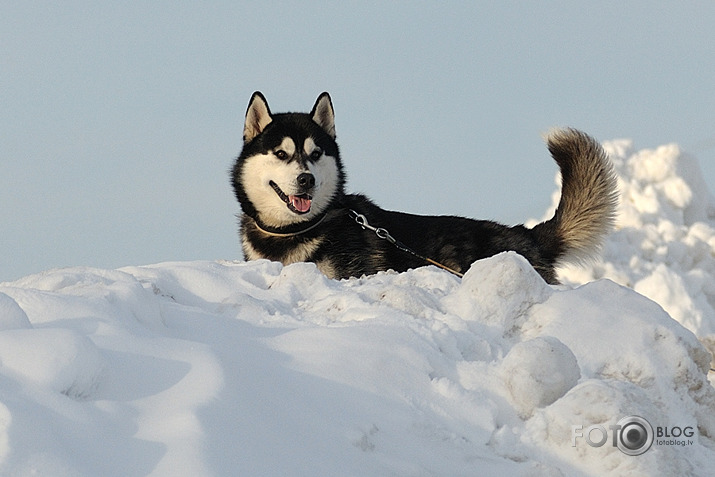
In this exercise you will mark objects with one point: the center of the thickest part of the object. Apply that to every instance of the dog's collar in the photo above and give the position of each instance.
(288, 231)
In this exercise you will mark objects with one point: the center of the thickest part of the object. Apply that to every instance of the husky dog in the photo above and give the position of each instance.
(289, 181)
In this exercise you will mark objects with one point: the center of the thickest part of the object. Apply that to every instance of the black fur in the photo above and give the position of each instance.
(342, 249)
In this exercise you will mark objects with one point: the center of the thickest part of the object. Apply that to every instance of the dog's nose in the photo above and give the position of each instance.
(306, 180)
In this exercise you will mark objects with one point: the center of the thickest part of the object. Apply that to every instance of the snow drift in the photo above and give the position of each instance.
(232, 368)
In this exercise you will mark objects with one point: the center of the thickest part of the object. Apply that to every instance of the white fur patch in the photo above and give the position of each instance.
(258, 172)
(327, 268)
(287, 145)
(303, 252)
(309, 146)
(325, 171)
(248, 251)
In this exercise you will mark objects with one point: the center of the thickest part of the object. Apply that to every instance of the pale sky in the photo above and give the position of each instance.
(119, 123)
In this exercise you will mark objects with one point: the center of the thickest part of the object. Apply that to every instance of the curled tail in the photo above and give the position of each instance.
(589, 198)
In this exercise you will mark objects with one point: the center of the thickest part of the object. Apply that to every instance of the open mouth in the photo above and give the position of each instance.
(300, 204)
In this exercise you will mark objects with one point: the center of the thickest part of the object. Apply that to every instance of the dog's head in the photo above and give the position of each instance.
(289, 169)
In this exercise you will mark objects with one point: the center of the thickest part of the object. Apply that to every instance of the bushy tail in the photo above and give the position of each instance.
(589, 198)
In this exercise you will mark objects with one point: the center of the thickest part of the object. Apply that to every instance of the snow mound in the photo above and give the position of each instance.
(537, 372)
(232, 368)
(11, 315)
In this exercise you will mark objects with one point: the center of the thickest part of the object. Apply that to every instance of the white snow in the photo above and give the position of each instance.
(232, 369)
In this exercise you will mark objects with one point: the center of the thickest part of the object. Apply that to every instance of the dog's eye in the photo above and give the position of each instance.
(281, 154)
(316, 154)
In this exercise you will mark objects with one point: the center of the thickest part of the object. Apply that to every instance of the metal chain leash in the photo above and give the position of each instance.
(383, 234)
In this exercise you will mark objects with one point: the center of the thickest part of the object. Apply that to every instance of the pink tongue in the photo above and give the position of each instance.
(301, 204)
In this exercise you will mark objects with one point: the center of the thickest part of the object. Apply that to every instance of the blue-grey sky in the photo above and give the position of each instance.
(120, 120)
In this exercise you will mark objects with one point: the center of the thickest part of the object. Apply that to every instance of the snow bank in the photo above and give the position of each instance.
(232, 368)
(254, 369)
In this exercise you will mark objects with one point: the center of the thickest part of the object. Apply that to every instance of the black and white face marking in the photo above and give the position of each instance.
(290, 183)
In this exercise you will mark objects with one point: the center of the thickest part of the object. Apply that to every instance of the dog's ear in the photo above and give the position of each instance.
(258, 116)
(323, 114)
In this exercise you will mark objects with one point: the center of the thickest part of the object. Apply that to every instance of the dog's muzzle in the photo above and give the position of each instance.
(298, 203)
